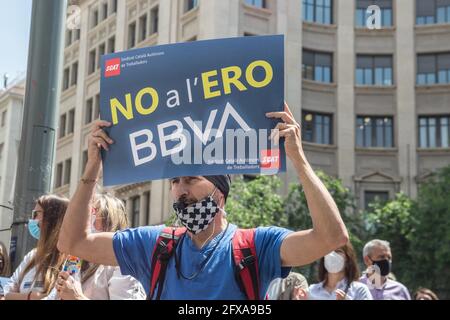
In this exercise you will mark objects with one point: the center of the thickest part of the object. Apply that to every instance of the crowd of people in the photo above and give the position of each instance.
(338, 273)
(206, 257)
(339, 278)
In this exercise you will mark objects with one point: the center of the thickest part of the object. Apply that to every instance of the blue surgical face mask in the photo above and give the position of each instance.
(33, 228)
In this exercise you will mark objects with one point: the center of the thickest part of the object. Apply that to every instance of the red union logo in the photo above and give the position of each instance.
(112, 67)
(270, 159)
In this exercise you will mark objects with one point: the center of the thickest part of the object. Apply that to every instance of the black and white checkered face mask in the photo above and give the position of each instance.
(196, 217)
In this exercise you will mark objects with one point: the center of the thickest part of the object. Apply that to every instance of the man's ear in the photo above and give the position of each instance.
(367, 261)
(219, 197)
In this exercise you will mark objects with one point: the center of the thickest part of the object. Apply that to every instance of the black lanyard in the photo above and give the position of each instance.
(202, 265)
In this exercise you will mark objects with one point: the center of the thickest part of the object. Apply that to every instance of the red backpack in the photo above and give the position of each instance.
(244, 253)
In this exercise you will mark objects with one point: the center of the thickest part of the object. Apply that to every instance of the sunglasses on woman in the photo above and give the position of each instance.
(34, 214)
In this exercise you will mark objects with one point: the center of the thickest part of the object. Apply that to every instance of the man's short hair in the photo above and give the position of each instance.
(368, 248)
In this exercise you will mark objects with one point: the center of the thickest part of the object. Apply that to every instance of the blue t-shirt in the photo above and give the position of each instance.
(134, 247)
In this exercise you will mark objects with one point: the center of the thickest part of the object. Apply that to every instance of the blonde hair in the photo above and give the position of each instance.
(5, 271)
(114, 218)
(48, 260)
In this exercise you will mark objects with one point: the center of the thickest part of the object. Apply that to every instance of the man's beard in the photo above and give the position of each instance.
(184, 201)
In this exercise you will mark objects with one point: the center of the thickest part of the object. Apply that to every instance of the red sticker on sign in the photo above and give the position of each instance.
(270, 159)
(112, 68)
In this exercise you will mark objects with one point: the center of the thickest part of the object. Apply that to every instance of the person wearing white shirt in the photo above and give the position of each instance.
(36, 275)
(338, 276)
(99, 282)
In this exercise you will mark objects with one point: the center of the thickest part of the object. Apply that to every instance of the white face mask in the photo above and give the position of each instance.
(334, 262)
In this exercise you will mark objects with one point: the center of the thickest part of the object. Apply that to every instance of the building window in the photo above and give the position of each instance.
(62, 126)
(1, 151)
(433, 68)
(132, 35)
(154, 20)
(67, 168)
(89, 108)
(318, 11)
(59, 174)
(142, 28)
(66, 78)
(104, 10)
(374, 70)
(68, 37)
(92, 60)
(97, 107)
(77, 35)
(112, 44)
(74, 76)
(113, 6)
(190, 4)
(256, 3)
(317, 66)
(434, 132)
(84, 161)
(374, 132)
(94, 18)
(71, 121)
(3, 118)
(374, 197)
(136, 203)
(432, 11)
(362, 15)
(101, 52)
(317, 128)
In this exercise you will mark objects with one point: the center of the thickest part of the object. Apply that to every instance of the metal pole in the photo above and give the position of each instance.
(38, 140)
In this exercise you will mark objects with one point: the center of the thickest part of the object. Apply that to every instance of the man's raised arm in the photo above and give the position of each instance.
(75, 237)
(328, 232)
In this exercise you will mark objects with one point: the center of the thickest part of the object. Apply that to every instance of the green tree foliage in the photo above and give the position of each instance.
(298, 215)
(255, 202)
(430, 242)
(394, 222)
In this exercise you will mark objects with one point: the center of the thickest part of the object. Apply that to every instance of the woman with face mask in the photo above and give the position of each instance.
(99, 282)
(36, 275)
(338, 276)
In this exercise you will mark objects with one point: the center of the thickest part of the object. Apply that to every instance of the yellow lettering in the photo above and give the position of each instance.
(116, 105)
(207, 84)
(138, 101)
(227, 80)
(249, 74)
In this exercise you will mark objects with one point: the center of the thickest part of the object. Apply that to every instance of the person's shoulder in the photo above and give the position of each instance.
(272, 230)
(398, 284)
(358, 285)
(30, 255)
(315, 286)
(141, 232)
(362, 279)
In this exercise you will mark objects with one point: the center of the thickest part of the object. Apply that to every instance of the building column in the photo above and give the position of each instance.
(143, 209)
(345, 115)
(78, 139)
(406, 96)
(128, 209)
(156, 202)
(165, 21)
(121, 25)
(218, 19)
(289, 23)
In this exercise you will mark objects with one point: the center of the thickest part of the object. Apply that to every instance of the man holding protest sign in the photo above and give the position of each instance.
(234, 92)
(201, 266)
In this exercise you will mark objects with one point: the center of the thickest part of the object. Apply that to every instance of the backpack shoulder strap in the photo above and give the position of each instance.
(164, 248)
(246, 262)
